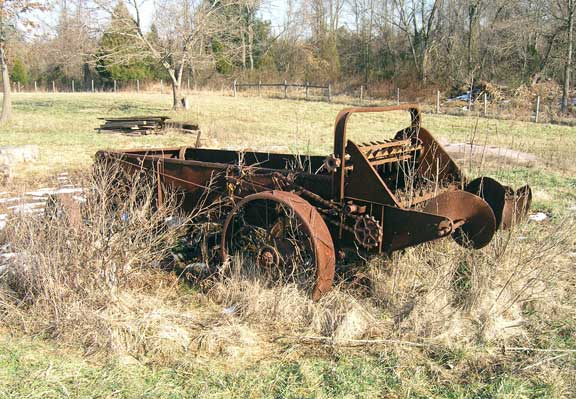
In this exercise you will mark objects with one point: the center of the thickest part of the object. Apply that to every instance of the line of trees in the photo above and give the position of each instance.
(414, 44)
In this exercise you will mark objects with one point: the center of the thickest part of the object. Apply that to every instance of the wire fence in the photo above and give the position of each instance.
(535, 109)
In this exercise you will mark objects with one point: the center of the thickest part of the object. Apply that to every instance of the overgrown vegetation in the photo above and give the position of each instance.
(87, 311)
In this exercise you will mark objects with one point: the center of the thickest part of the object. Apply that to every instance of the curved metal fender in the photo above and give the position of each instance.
(314, 226)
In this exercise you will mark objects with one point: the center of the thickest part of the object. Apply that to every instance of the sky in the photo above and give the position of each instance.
(275, 12)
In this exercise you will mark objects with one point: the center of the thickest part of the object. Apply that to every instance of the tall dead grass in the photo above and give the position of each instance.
(99, 284)
(70, 275)
(438, 292)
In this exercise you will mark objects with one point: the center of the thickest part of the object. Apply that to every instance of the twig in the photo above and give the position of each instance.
(544, 361)
(356, 342)
(366, 342)
(519, 349)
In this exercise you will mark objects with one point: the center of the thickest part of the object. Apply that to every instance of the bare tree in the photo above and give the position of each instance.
(570, 11)
(13, 13)
(417, 21)
(188, 32)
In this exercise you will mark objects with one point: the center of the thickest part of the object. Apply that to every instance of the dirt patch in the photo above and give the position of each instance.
(488, 152)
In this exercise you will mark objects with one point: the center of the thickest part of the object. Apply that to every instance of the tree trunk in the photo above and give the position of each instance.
(251, 44)
(7, 100)
(568, 66)
(176, 99)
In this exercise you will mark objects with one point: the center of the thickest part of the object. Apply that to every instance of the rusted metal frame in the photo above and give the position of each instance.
(340, 138)
(308, 193)
(172, 177)
(256, 187)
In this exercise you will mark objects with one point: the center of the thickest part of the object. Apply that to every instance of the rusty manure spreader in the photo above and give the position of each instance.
(288, 218)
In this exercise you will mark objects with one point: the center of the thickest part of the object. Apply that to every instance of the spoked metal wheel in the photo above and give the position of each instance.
(280, 239)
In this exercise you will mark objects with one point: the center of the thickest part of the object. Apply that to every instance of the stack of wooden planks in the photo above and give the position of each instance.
(137, 125)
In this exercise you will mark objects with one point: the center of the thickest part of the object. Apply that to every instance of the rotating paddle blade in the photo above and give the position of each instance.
(473, 217)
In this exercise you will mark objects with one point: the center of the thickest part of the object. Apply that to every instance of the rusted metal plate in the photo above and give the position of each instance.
(474, 216)
(516, 206)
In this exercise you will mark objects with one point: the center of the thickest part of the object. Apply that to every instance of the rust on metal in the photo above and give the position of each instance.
(288, 215)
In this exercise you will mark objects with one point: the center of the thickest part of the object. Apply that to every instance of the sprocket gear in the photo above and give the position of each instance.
(367, 231)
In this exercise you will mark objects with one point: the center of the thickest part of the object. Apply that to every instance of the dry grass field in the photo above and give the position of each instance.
(90, 315)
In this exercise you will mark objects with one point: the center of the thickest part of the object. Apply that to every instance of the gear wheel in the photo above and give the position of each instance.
(367, 231)
(331, 163)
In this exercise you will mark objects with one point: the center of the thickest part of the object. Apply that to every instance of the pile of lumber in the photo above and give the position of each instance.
(138, 125)
(141, 125)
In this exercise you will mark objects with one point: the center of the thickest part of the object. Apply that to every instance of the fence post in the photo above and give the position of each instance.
(35, 86)
(285, 89)
(259, 88)
(161, 87)
(470, 95)
(361, 93)
(137, 85)
(398, 95)
(234, 88)
(92, 85)
(18, 87)
(73, 86)
(306, 95)
(537, 109)
(329, 92)
(115, 87)
(437, 101)
(188, 85)
(53, 87)
(485, 104)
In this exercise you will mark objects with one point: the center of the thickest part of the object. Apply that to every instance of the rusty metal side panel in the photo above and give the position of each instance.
(404, 228)
(364, 182)
(434, 164)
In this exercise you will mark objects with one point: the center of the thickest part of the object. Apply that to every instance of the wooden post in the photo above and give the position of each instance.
(470, 95)
(329, 92)
(161, 87)
(19, 87)
(73, 86)
(115, 86)
(398, 95)
(361, 93)
(259, 88)
(537, 109)
(92, 85)
(137, 85)
(306, 95)
(437, 101)
(485, 104)
(53, 87)
(234, 88)
(188, 85)
(35, 86)
(285, 89)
